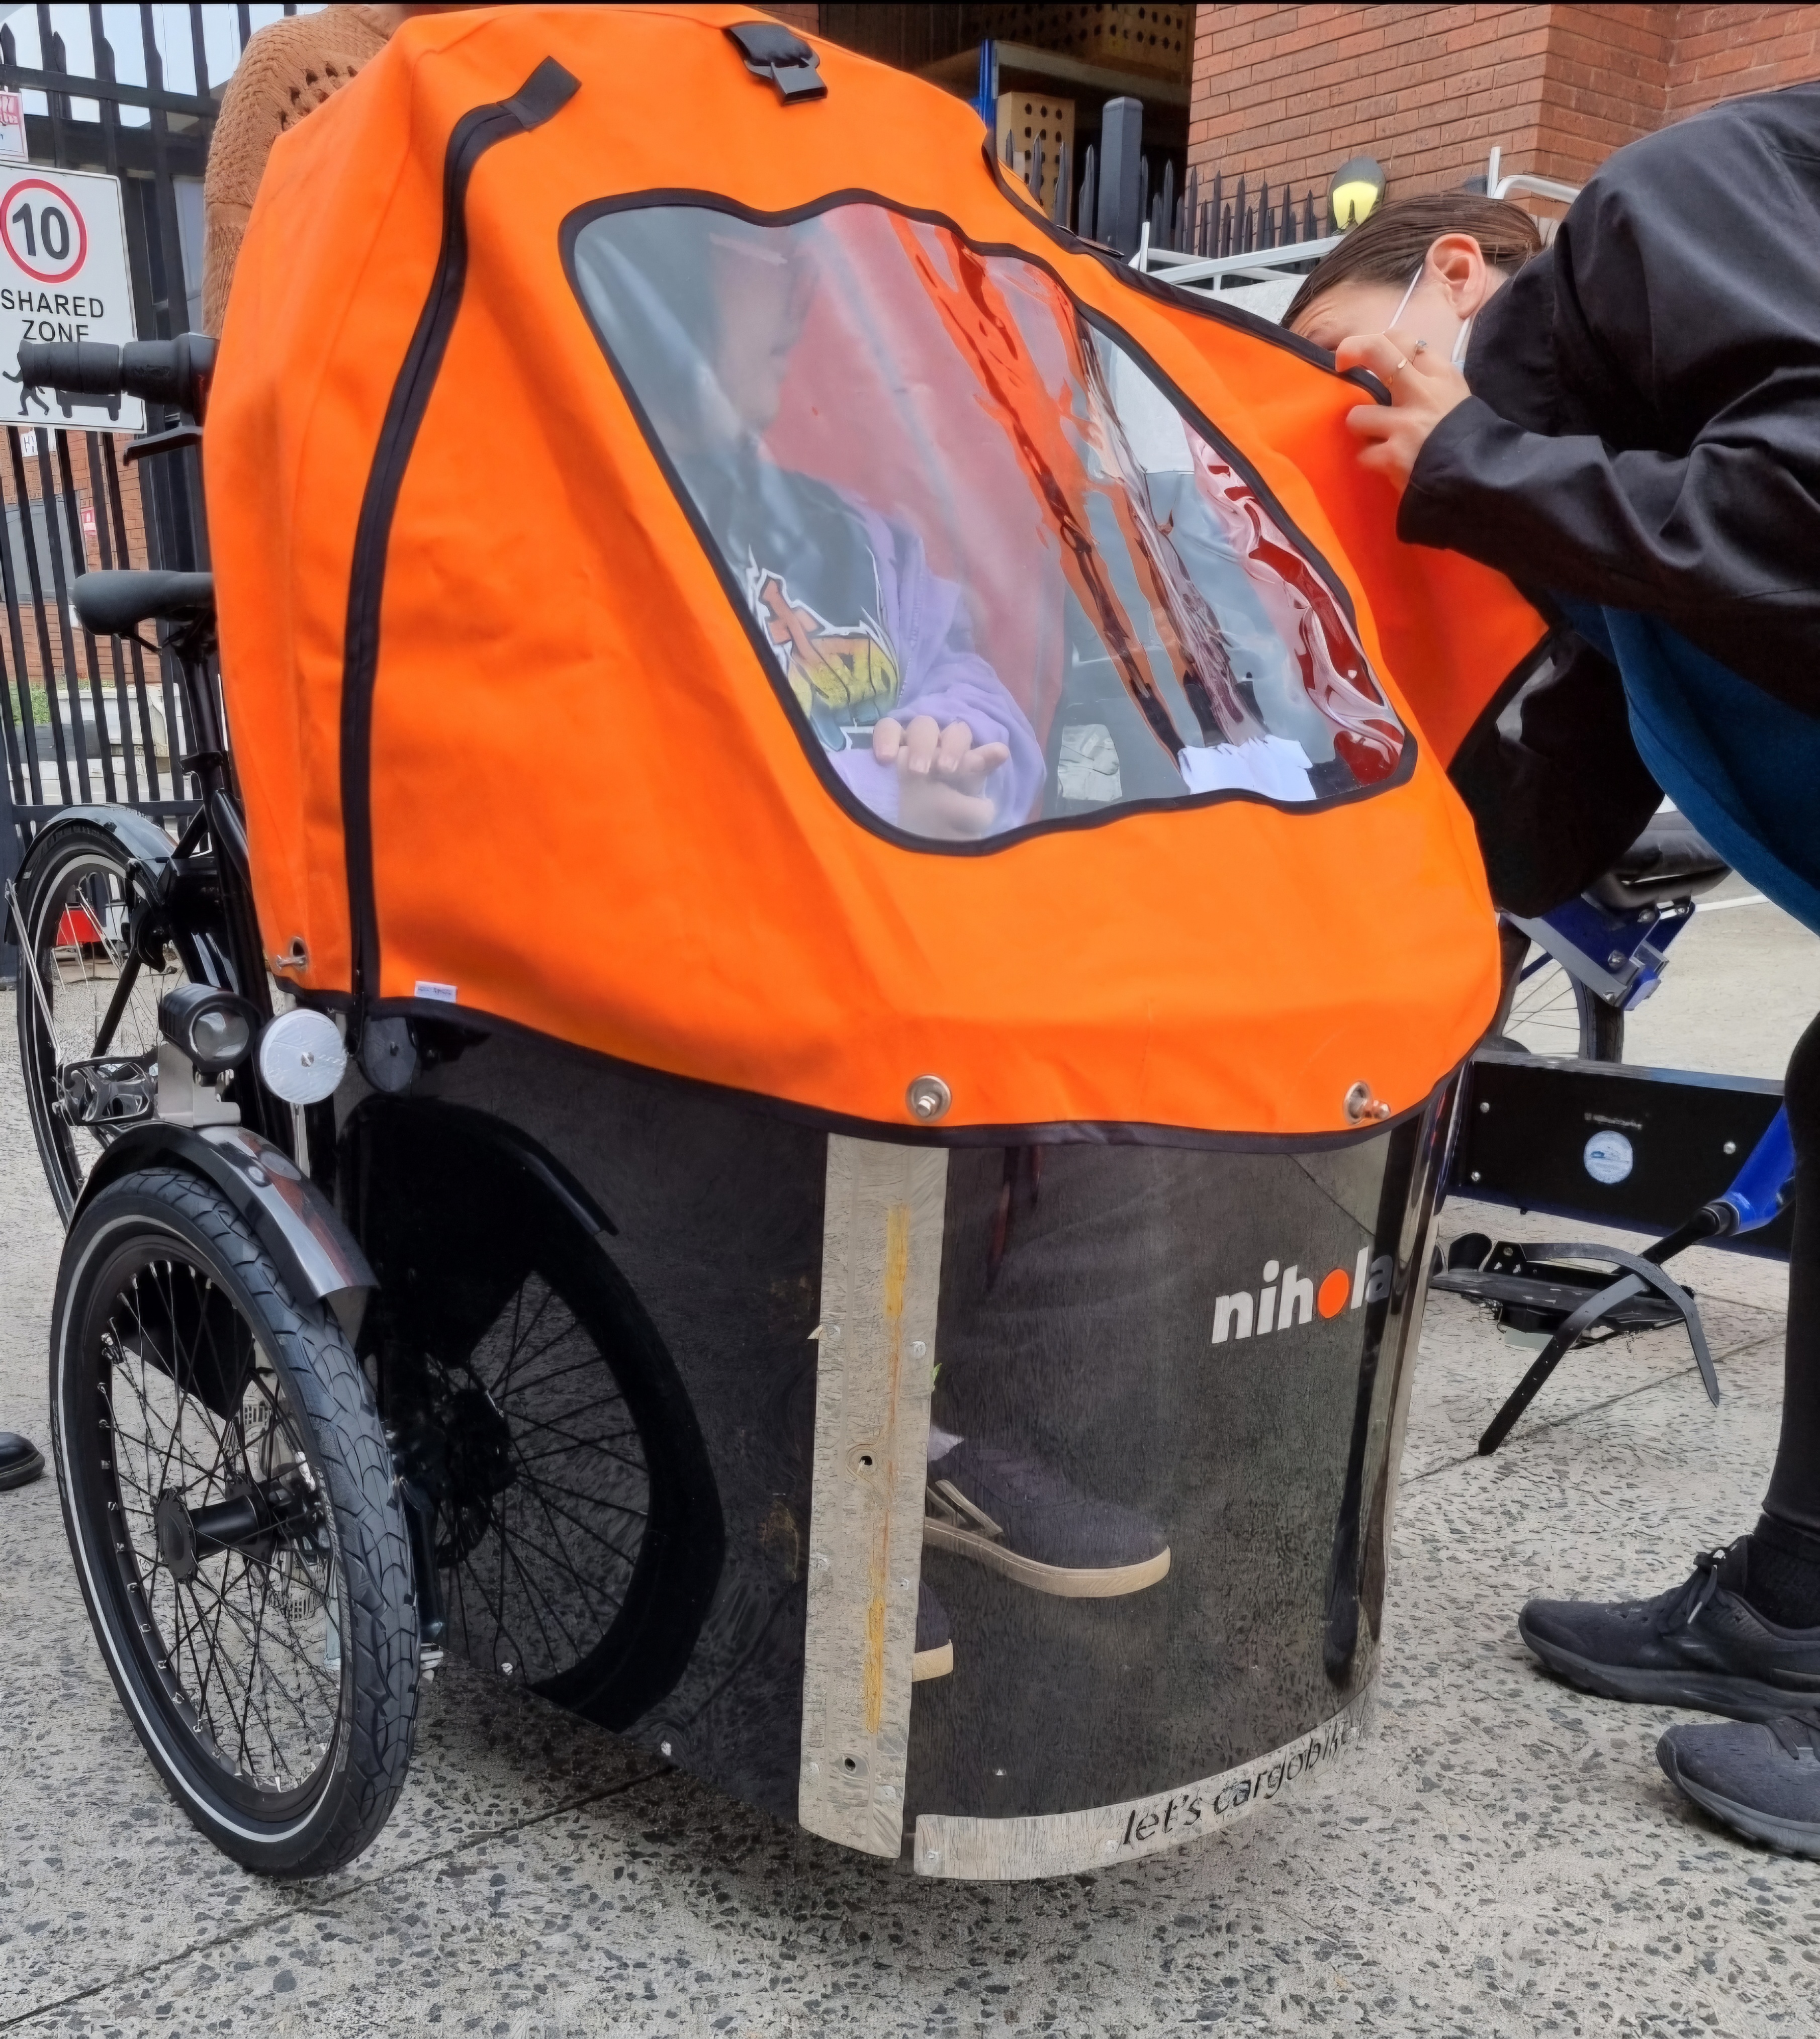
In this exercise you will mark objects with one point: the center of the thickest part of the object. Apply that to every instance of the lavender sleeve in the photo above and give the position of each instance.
(943, 676)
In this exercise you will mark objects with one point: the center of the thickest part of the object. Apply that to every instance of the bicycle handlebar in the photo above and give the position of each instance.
(162, 371)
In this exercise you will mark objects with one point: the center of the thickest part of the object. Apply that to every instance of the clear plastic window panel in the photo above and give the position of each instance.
(1003, 578)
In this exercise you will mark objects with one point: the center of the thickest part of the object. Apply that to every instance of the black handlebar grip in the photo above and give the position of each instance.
(162, 371)
(84, 367)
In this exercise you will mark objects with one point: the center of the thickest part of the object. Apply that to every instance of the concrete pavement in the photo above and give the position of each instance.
(1504, 1856)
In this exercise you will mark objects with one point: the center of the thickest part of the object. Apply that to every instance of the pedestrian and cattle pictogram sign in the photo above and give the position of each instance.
(63, 276)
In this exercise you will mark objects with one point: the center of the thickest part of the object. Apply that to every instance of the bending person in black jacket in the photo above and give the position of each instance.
(1636, 436)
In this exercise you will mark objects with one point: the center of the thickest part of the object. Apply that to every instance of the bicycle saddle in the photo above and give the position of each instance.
(1670, 860)
(113, 605)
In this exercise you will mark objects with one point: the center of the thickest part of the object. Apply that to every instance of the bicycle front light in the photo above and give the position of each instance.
(214, 1028)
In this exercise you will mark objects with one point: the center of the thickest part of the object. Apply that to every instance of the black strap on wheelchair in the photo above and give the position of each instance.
(1642, 1274)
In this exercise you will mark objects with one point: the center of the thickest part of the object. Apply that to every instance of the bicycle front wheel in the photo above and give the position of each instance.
(230, 1499)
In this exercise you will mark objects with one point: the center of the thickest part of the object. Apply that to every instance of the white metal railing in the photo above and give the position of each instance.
(1522, 180)
(1214, 273)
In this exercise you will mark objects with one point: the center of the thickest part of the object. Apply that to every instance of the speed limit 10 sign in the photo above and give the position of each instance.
(63, 276)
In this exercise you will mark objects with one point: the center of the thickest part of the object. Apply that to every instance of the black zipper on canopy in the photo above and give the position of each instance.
(548, 89)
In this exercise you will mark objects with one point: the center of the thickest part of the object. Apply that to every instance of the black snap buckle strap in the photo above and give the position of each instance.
(771, 52)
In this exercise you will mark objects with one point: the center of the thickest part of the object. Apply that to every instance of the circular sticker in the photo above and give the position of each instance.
(1608, 1157)
(43, 231)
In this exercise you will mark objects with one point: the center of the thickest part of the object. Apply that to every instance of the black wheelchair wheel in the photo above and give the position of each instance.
(74, 898)
(1547, 1011)
(231, 1504)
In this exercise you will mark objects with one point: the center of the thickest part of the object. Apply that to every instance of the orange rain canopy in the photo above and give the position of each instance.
(615, 509)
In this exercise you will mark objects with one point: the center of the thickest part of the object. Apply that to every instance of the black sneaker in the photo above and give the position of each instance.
(20, 1460)
(1016, 1515)
(934, 1656)
(1702, 1645)
(1762, 1781)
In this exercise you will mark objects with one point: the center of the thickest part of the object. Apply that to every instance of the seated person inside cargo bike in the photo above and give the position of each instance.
(1074, 603)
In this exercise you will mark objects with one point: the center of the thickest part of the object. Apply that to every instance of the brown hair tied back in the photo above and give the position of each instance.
(1392, 244)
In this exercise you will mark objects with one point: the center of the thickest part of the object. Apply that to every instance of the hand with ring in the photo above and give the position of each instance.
(1423, 390)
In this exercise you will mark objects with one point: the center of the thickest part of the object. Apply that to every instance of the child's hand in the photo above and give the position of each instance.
(941, 773)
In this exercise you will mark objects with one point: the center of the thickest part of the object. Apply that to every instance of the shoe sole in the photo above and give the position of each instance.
(23, 1474)
(1066, 1582)
(1737, 1698)
(937, 1663)
(1796, 1837)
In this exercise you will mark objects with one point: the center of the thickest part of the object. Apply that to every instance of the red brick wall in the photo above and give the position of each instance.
(1289, 92)
(1722, 52)
(1605, 80)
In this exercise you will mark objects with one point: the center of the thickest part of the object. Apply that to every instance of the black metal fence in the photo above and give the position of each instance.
(1210, 221)
(82, 720)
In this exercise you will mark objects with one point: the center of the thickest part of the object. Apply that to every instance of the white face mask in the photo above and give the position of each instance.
(1408, 295)
(1461, 339)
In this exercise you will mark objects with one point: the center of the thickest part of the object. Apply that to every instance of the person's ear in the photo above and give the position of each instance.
(1456, 263)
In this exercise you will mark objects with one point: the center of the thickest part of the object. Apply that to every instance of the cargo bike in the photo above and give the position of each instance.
(789, 1084)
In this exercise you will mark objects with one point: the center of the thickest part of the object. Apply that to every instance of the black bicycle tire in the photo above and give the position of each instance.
(1602, 1026)
(333, 1402)
(56, 1142)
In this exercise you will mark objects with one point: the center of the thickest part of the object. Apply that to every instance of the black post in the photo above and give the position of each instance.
(1121, 197)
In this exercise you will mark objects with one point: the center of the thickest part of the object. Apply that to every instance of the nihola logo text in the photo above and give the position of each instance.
(1279, 1306)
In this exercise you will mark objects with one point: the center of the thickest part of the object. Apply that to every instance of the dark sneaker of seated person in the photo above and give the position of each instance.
(1762, 1780)
(934, 1656)
(20, 1460)
(1017, 1516)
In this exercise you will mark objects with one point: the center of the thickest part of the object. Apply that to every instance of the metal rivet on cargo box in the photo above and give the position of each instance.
(1361, 1105)
(927, 1097)
(1485, 1104)
(1475, 1174)
(1730, 1147)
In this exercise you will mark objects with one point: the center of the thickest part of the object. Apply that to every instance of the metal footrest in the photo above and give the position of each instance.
(1568, 1303)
